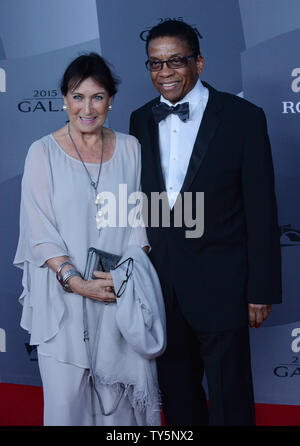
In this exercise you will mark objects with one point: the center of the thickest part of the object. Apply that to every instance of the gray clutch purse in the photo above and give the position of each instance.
(98, 260)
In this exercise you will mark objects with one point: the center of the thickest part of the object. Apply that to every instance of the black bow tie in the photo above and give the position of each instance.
(162, 110)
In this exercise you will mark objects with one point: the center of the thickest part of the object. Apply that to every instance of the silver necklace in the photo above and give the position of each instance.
(92, 183)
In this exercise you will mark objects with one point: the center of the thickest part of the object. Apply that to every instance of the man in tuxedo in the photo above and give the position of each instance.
(197, 139)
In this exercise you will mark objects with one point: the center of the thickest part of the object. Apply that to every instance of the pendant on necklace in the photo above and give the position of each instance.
(99, 214)
(99, 220)
(93, 184)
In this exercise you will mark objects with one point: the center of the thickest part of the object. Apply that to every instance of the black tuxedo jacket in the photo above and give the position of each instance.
(237, 259)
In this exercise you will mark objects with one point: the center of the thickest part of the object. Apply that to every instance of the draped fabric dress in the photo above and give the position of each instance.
(57, 218)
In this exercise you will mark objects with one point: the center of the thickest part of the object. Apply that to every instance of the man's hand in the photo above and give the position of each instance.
(257, 314)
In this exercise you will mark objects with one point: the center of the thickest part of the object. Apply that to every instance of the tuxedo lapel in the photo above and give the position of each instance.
(207, 129)
(154, 147)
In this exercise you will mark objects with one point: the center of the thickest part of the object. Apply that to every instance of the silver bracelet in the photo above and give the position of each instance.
(66, 276)
(60, 268)
(62, 278)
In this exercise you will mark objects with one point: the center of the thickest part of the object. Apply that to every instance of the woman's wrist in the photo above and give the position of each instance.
(77, 283)
(64, 273)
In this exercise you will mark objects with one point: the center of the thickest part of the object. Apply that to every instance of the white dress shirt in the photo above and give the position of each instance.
(177, 139)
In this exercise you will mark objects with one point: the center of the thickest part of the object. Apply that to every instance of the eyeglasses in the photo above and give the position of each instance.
(128, 274)
(173, 63)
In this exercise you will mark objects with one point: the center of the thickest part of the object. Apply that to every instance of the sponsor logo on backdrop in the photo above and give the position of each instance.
(2, 341)
(144, 34)
(41, 101)
(291, 368)
(31, 351)
(293, 106)
(289, 236)
(2, 80)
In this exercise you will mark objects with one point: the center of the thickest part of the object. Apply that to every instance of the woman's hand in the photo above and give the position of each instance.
(100, 289)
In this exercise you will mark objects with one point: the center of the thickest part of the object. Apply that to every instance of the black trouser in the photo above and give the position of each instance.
(225, 356)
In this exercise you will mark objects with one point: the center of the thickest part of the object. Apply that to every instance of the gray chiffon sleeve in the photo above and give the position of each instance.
(39, 240)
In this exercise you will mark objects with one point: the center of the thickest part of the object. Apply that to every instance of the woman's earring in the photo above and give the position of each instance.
(65, 107)
(109, 107)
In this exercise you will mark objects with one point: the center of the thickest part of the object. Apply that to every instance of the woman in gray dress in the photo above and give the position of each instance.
(60, 219)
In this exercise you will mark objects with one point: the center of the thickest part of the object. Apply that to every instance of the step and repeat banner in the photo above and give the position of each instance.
(251, 49)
